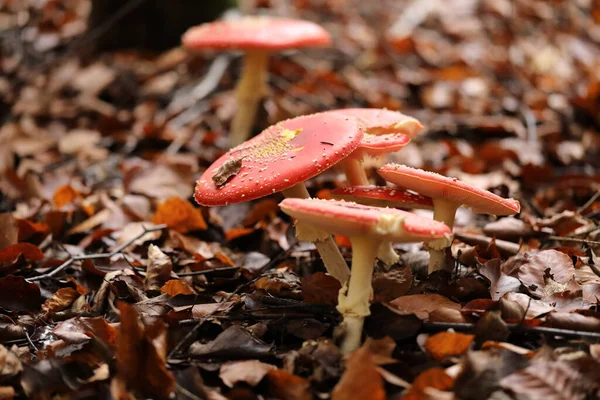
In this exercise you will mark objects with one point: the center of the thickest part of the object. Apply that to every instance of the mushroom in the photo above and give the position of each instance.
(367, 227)
(258, 36)
(385, 132)
(281, 158)
(448, 194)
(383, 196)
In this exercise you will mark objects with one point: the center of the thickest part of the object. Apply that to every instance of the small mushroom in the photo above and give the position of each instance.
(258, 36)
(366, 227)
(448, 194)
(386, 131)
(281, 158)
(383, 196)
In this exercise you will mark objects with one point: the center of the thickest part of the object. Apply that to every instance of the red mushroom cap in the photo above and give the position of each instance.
(353, 219)
(386, 131)
(280, 157)
(438, 186)
(383, 196)
(256, 32)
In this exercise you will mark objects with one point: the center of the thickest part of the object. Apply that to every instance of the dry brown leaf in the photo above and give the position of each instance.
(250, 372)
(141, 367)
(388, 285)
(180, 215)
(60, 300)
(533, 272)
(159, 269)
(573, 321)
(10, 364)
(447, 344)
(11, 254)
(361, 379)
(16, 294)
(175, 287)
(82, 330)
(421, 305)
(320, 288)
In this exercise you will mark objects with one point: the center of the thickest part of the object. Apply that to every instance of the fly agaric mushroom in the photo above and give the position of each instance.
(366, 227)
(448, 194)
(258, 36)
(383, 196)
(386, 131)
(281, 158)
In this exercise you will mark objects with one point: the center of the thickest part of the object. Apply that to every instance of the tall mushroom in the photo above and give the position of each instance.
(386, 131)
(448, 194)
(258, 36)
(383, 196)
(366, 227)
(281, 158)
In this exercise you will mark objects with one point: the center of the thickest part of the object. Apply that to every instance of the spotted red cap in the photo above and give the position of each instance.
(256, 32)
(386, 131)
(456, 191)
(382, 196)
(280, 157)
(353, 219)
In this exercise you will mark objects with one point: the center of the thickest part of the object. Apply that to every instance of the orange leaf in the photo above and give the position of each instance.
(324, 194)
(28, 229)
(361, 379)
(446, 344)
(237, 232)
(284, 385)
(179, 215)
(261, 211)
(342, 241)
(176, 287)
(432, 378)
(64, 195)
(224, 259)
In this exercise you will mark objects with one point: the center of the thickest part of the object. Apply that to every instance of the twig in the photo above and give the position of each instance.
(572, 239)
(589, 202)
(514, 328)
(115, 251)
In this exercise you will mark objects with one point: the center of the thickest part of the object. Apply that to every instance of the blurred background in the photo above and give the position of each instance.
(508, 89)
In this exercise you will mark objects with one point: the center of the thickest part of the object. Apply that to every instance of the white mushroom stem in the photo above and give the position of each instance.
(250, 89)
(354, 305)
(443, 211)
(356, 176)
(328, 250)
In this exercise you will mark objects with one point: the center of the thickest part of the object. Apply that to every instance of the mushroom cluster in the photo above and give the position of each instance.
(284, 156)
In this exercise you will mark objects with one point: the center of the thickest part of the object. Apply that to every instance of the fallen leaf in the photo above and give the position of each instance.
(388, 285)
(30, 252)
(64, 196)
(532, 273)
(448, 344)
(16, 294)
(361, 379)
(500, 283)
(250, 372)
(320, 288)
(10, 365)
(228, 169)
(435, 378)
(534, 308)
(202, 310)
(286, 386)
(29, 230)
(175, 287)
(159, 269)
(234, 342)
(573, 321)
(180, 215)
(421, 305)
(82, 330)
(141, 365)
(60, 300)
(136, 230)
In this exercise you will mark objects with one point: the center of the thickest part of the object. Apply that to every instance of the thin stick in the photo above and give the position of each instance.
(514, 328)
(115, 251)
(572, 239)
(589, 202)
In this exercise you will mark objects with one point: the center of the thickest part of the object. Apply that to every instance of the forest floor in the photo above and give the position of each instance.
(114, 283)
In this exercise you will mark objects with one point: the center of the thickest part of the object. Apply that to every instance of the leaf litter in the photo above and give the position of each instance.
(113, 282)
